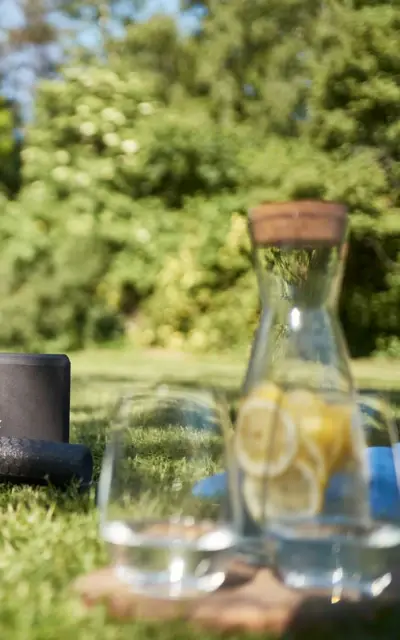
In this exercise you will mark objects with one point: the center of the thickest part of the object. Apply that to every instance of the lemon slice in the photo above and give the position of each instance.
(267, 391)
(266, 438)
(297, 493)
(312, 454)
(255, 497)
(317, 423)
(341, 417)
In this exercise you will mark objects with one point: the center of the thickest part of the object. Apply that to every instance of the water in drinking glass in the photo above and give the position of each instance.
(164, 540)
(171, 559)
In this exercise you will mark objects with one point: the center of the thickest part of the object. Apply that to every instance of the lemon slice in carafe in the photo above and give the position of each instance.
(321, 425)
(311, 453)
(266, 438)
(297, 493)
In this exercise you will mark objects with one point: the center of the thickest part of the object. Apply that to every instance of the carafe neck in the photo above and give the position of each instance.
(299, 278)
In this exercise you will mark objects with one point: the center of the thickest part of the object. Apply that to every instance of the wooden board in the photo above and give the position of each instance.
(252, 600)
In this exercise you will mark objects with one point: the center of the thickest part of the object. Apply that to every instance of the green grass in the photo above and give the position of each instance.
(48, 539)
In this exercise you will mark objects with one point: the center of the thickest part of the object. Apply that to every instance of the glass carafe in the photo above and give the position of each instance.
(299, 442)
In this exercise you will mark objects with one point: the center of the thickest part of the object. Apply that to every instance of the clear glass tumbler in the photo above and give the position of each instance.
(164, 539)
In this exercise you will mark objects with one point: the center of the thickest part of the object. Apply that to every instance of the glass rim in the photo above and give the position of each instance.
(164, 395)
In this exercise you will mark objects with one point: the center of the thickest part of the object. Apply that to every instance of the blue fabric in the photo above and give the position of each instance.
(212, 487)
(383, 489)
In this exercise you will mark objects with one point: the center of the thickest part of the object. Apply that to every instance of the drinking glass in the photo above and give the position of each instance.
(382, 434)
(165, 540)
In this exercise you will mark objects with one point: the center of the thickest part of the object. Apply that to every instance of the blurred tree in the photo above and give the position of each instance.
(354, 115)
(102, 11)
(139, 168)
(27, 42)
(36, 36)
(9, 150)
(251, 58)
(355, 95)
(158, 47)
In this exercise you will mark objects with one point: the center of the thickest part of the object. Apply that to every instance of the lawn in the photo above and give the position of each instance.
(47, 539)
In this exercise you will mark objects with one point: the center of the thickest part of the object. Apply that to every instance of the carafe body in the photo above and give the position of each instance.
(299, 442)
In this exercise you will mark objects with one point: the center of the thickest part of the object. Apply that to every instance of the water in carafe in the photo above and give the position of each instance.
(299, 442)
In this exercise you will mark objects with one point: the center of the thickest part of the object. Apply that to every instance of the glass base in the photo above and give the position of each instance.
(335, 585)
(259, 551)
(159, 585)
(346, 566)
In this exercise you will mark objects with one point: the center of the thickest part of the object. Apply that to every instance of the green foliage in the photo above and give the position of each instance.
(9, 152)
(207, 275)
(354, 117)
(246, 67)
(5, 130)
(101, 205)
(138, 172)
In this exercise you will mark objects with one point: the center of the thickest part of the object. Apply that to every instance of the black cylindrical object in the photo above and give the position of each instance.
(40, 462)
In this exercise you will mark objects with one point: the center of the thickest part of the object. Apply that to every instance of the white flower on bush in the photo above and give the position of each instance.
(145, 108)
(82, 179)
(130, 146)
(62, 156)
(29, 154)
(60, 174)
(88, 129)
(108, 114)
(83, 110)
(113, 115)
(142, 235)
(87, 81)
(80, 225)
(106, 75)
(111, 139)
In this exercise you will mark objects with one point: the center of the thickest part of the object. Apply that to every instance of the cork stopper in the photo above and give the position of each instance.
(304, 223)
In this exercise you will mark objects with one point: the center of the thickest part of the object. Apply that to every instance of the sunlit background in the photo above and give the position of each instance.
(136, 134)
